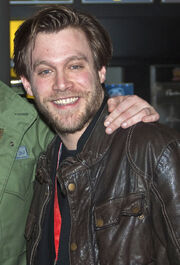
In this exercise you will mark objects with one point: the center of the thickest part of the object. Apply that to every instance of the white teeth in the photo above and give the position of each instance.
(66, 101)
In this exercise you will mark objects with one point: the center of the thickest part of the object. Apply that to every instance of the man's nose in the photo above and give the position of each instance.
(62, 82)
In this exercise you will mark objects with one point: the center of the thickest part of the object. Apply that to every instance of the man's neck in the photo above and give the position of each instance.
(71, 140)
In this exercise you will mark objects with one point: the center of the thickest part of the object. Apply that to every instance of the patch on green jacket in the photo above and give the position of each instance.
(22, 153)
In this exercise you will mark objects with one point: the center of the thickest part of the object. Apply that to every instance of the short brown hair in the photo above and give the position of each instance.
(53, 19)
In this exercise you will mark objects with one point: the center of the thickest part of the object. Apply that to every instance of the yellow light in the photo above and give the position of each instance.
(14, 25)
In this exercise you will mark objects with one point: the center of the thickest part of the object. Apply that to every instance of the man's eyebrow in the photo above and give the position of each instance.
(69, 59)
(36, 64)
(78, 58)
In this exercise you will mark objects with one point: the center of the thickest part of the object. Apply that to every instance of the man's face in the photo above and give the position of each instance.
(64, 82)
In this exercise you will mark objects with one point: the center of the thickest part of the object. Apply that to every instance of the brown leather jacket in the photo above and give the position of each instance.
(124, 197)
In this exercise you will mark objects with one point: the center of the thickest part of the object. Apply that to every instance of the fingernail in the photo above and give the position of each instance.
(124, 124)
(109, 130)
(106, 123)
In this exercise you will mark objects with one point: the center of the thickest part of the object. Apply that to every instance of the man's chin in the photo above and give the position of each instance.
(71, 129)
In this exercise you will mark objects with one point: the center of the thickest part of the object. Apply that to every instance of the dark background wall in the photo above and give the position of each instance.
(142, 34)
(4, 42)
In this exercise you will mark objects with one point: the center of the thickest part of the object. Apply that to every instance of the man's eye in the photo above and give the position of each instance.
(76, 67)
(44, 72)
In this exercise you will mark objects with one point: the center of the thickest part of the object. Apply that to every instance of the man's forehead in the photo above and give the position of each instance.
(61, 45)
(68, 32)
(65, 38)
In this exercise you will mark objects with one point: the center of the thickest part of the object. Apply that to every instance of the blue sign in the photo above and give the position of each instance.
(120, 89)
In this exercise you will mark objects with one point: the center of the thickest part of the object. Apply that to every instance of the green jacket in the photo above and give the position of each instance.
(23, 135)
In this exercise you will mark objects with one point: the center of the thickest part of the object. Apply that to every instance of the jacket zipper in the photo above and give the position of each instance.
(39, 225)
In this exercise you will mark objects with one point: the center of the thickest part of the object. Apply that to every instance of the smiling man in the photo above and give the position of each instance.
(68, 68)
(98, 198)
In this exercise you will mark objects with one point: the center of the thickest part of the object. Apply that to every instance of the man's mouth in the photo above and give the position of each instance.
(66, 101)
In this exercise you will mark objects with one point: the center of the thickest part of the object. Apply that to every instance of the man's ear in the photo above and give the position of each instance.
(102, 74)
(27, 86)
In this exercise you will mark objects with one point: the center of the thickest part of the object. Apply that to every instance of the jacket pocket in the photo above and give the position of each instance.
(123, 231)
(21, 178)
(110, 212)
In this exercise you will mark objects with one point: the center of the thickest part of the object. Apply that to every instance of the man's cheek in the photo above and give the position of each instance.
(84, 77)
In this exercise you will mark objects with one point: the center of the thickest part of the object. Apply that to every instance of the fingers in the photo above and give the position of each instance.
(146, 115)
(127, 111)
(152, 117)
(114, 102)
(116, 106)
